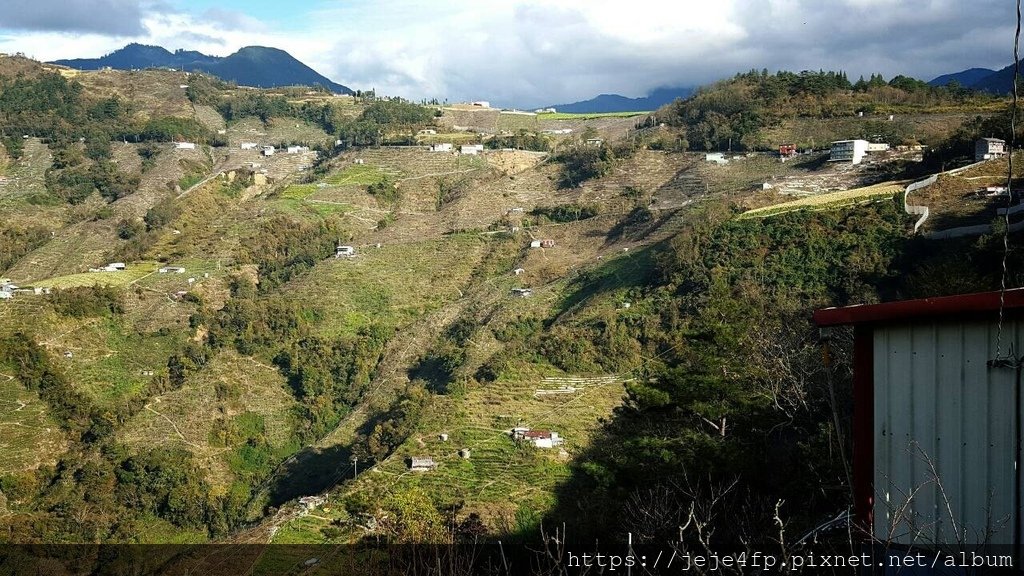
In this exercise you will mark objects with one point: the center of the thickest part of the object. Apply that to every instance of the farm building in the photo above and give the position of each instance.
(421, 464)
(471, 149)
(937, 418)
(539, 438)
(594, 142)
(522, 292)
(787, 150)
(297, 149)
(547, 243)
(344, 252)
(5, 295)
(427, 132)
(249, 145)
(988, 148)
(185, 145)
(716, 157)
(851, 151)
(444, 147)
(171, 270)
(482, 103)
(268, 151)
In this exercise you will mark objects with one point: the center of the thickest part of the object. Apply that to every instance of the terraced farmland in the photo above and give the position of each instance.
(830, 200)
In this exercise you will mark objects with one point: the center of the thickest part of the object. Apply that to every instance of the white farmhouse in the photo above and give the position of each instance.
(988, 148)
(716, 157)
(851, 151)
(539, 438)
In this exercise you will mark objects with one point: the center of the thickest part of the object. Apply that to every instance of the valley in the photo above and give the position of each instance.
(632, 296)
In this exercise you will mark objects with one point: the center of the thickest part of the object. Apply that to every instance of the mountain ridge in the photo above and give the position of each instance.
(968, 77)
(999, 82)
(258, 66)
(618, 103)
(992, 81)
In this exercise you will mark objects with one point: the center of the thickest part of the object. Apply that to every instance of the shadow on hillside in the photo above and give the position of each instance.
(683, 188)
(629, 270)
(810, 162)
(309, 472)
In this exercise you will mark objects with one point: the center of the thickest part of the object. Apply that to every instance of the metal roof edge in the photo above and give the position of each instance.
(922, 308)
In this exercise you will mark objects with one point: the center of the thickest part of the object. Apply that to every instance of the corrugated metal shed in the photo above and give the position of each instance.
(937, 426)
(944, 439)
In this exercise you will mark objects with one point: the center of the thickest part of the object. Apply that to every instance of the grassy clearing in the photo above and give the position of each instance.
(356, 174)
(109, 359)
(298, 199)
(309, 207)
(392, 285)
(829, 201)
(28, 435)
(162, 531)
(298, 191)
(132, 274)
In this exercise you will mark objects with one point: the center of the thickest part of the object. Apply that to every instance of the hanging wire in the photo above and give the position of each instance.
(1009, 191)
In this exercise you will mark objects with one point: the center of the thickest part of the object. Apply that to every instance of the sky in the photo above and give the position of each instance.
(530, 53)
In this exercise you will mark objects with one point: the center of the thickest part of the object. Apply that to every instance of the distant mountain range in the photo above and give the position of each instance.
(994, 81)
(257, 66)
(616, 103)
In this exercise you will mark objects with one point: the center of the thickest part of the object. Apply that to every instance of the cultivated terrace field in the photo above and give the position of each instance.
(335, 343)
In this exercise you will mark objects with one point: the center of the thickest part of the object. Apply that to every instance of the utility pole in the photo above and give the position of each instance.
(355, 466)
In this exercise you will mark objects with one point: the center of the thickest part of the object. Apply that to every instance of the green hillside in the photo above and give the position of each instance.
(607, 284)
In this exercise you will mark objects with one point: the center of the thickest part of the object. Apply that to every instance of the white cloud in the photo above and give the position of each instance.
(534, 52)
(109, 17)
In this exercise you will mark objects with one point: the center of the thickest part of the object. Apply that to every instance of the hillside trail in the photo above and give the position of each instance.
(215, 171)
